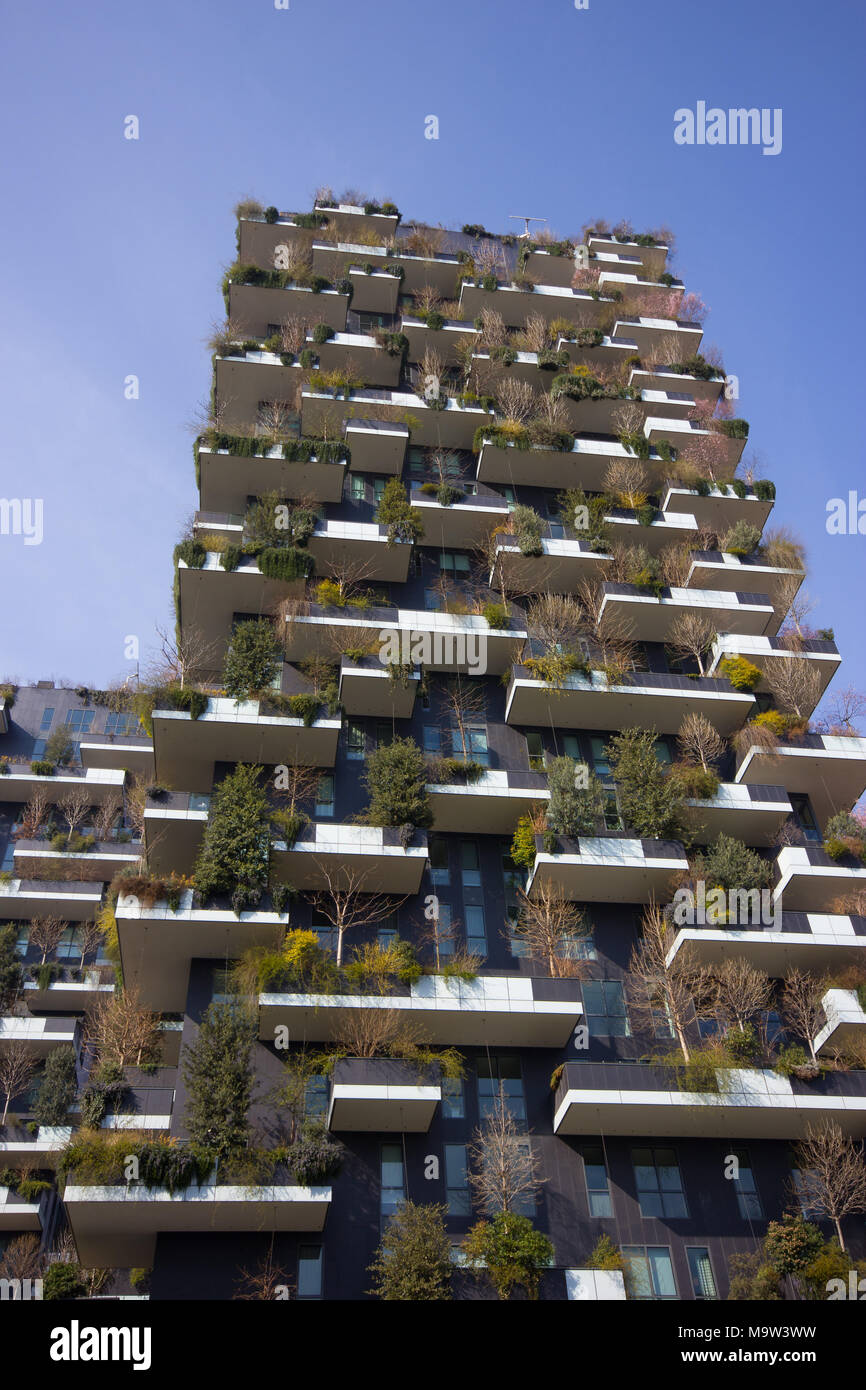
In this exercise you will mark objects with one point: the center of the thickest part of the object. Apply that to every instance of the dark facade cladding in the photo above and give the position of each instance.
(554, 431)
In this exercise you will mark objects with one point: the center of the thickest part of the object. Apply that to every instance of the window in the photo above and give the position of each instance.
(78, 721)
(357, 487)
(579, 946)
(571, 747)
(47, 717)
(476, 744)
(121, 725)
(662, 752)
(501, 1076)
(535, 749)
(454, 562)
(652, 1274)
(599, 759)
(378, 489)
(38, 750)
(804, 816)
(604, 1003)
(384, 735)
(476, 935)
(432, 600)
(457, 1180)
(658, 1182)
(356, 743)
(324, 930)
(662, 1026)
(393, 1183)
(368, 322)
(325, 795)
(386, 932)
(22, 940)
(470, 864)
(438, 851)
(703, 1283)
(748, 1200)
(597, 1185)
(453, 1106)
(432, 736)
(310, 1271)
(317, 1095)
(69, 947)
(807, 1209)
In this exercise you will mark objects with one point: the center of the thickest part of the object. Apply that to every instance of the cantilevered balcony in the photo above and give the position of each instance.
(655, 617)
(493, 804)
(450, 427)
(447, 340)
(39, 1035)
(553, 267)
(600, 415)
(680, 385)
(720, 509)
(667, 528)
(811, 941)
(117, 1226)
(819, 655)
(845, 1022)
(348, 219)
(559, 569)
(74, 991)
(116, 752)
(361, 353)
(491, 1010)
(157, 943)
(647, 699)
(463, 524)
(376, 290)
(17, 1215)
(370, 689)
(829, 769)
(368, 858)
(236, 731)
(212, 595)
(683, 433)
(716, 569)
(365, 543)
(36, 858)
(753, 814)
(607, 869)
(585, 465)
(99, 783)
(258, 240)
(241, 382)
(377, 446)
(631, 1099)
(21, 1148)
(383, 1095)
(550, 301)
(439, 641)
(253, 307)
(174, 823)
(228, 479)
(75, 901)
(610, 250)
(438, 271)
(647, 335)
(808, 880)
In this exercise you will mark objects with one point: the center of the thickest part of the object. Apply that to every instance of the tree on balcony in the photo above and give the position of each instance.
(413, 1261)
(122, 1031)
(700, 744)
(17, 1066)
(577, 799)
(552, 929)
(56, 1088)
(403, 521)
(396, 778)
(795, 684)
(347, 904)
(732, 866)
(265, 1280)
(668, 988)
(253, 659)
(235, 848)
(649, 798)
(219, 1079)
(802, 1005)
(46, 934)
(509, 1252)
(832, 1174)
(504, 1172)
(691, 636)
(463, 703)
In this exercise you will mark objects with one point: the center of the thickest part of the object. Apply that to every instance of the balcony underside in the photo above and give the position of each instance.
(755, 821)
(371, 692)
(383, 1109)
(580, 705)
(228, 479)
(254, 308)
(776, 951)
(488, 807)
(350, 856)
(608, 871)
(717, 512)
(833, 777)
(187, 748)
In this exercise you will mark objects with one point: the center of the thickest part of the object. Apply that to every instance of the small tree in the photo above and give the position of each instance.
(699, 742)
(832, 1174)
(235, 851)
(59, 746)
(729, 864)
(104, 815)
(34, 814)
(463, 703)
(649, 799)
(550, 926)
(22, 1259)
(74, 806)
(574, 808)
(668, 988)
(740, 992)
(122, 1031)
(347, 904)
(509, 1252)
(219, 1079)
(742, 539)
(57, 1088)
(253, 659)
(16, 1072)
(801, 1004)
(45, 934)
(266, 1281)
(504, 1171)
(403, 521)
(396, 778)
(413, 1261)
(10, 966)
(692, 635)
(795, 684)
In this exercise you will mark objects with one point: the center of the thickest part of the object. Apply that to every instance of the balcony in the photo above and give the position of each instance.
(462, 525)
(174, 824)
(682, 386)
(236, 731)
(491, 805)
(609, 249)
(716, 569)
(808, 880)
(258, 240)
(254, 307)
(19, 782)
(39, 1035)
(812, 941)
(450, 427)
(829, 769)
(820, 656)
(366, 542)
(720, 509)
(846, 1022)
(559, 569)
(550, 301)
(117, 1226)
(211, 596)
(36, 858)
(753, 814)
(16, 1215)
(368, 688)
(635, 610)
(648, 699)
(369, 858)
(624, 1099)
(158, 943)
(671, 528)
(376, 291)
(439, 641)
(228, 479)
(446, 340)
(75, 991)
(383, 1095)
(349, 220)
(116, 753)
(584, 465)
(438, 271)
(39, 897)
(648, 334)
(361, 353)
(241, 382)
(681, 433)
(378, 446)
(608, 869)
(491, 1011)
(21, 1149)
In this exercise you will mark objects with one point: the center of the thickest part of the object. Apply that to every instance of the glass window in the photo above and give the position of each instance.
(604, 1003)
(597, 1185)
(80, 720)
(357, 487)
(470, 864)
(446, 936)
(310, 1271)
(324, 930)
(121, 725)
(378, 489)
(662, 752)
(453, 1107)
(652, 1274)
(317, 1096)
(801, 1189)
(599, 759)
(658, 1183)
(384, 735)
(535, 749)
(69, 946)
(325, 795)
(453, 561)
(703, 1282)
(432, 600)
(571, 747)
(501, 1076)
(805, 817)
(432, 736)
(38, 750)
(47, 717)
(393, 1183)
(23, 938)
(476, 934)
(457, 1180)
(356, 743)
(748, 1199)
(438, 851)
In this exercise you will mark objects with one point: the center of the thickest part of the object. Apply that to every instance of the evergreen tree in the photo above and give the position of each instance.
(396, 778)
(219, 1080)
(413, 1261)
(573, 810)
(57, 1088)
(235, 850)
(649, 799)
(253, 659)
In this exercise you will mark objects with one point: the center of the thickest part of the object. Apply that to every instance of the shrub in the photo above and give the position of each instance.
(450, 770)
(743, 539)
(192, 702)
(698, 1074)
(650, 799)
(62, 1281)
(773, 720)
(523, 849)
(231, 557)
(286, 563)
(734, 429)
(764, 490)
(315, 1157)
(289, 824)
(56, 1088)
(526, 525)
(396, 778)
(695, 783)
(729, 864)
(413, 1261)
(192, 553)
(743, 674)
(40, 768)
(253, 659)
(512, 1251)
(573, 810)
(743, 1046)
(403, 521)
(446, 494)
(219, 1080)
(322, 333)
(234, 849)
(495, 615)
(791, 1059)
(59, 747)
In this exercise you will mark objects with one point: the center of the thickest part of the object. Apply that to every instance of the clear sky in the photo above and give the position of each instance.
(113, 249)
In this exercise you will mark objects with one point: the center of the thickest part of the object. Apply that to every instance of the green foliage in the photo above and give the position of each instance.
(449, 770)
(764, 490)
(316, 1156)
(59, 747)
(234, 851)
(649, 799)
(830, 1262)
(606, 1255)
(743, 1046)
(413, 1261)
(193, 702)
(10, 966)
(553, 667)
(743, 674)
(729, 864)
(192, 553)
(56, 1088)
(573, 810)
(62, 1281)
(285, 563)
(791, 1244)
(396, 778)
(523, 849)
(513, 1252)
(40, 768)
(733, 429)
(695, 783)
(790, 1059)
(253, 659)
(404, 522)
(742, 539)
(496, 616)
(289, 824)
(302, 966)
(219, 1080)
(447, 495)
(698, 1074)
(322, 333)
(526, 525)
(231, 557)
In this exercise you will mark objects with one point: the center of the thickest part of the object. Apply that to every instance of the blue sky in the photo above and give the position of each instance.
(113, 249)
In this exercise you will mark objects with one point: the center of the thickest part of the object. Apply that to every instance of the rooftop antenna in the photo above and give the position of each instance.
(517, 216)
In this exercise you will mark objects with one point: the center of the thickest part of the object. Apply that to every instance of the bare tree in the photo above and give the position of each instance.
(377, 1033)
(347, 903)
(845, 707)
(74, 806)
(22, 1259)
(34, 814)
(17, 1066)
(46, 933)
(692, 635)
(794, 682)
(515, 400)
(267, 1280)
(801, 1005)
(535, 334)
(795, 603)
(463, 703)
(504, 1172)
(104, 816)
(673, 988)
(296, 783)
(122, 1030)
(832, 1174)
(493, 332)
(740, 992)
(627, 480)
(182, 660)
(699, 741)
(556, 620)
(550, 926)
(293, 334)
